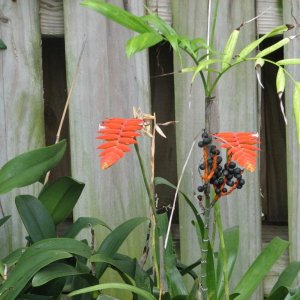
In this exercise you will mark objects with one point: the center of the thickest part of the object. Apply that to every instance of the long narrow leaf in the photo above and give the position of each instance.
(229, 48)
(3, 220)
(118, 15)
(119, 286)
(35, 218)
(253, 45)
(53, 271)
(273, 48)
(26, 268)
(114, 240)
(260, 267)
(288, 61)
(81, 223)
(60, 197)
(29, 167)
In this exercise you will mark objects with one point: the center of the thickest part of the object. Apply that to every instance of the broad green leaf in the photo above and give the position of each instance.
(286, 280)
(288, 61)
(83, 281)
(280, 81)
(34, 297)
(296, 107)
(60, 197)
(176, 285)
(229, 48)
(61, 244)
(273, 48)
(35, 218)
(26, 268)
(81, 223)
(118, 15)
(280, 293)
(253, 45)
(2, 45)
(29, 167)
(142, 41)
(231, 238)
(113, 285)
(3, 220)
(114, 240)
(260, 267)
(55, 270)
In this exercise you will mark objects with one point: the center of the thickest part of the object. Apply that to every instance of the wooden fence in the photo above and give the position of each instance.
(108, 85)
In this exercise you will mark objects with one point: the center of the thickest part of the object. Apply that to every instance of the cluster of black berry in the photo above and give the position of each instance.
(224, 178)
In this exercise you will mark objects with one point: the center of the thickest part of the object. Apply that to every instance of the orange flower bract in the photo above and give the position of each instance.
(117, 133)
(241, 146)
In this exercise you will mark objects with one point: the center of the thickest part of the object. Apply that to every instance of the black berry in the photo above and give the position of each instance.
(200, 144)
(224, 190)
(200, 188)
(232, 165)
(238, 176)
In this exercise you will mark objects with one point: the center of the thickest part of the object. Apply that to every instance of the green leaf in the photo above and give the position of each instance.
(55, 270)
(273, 48)
(253, 45)
(280, 293)
(231, 239)
(229, 49)
(13, 257)
(194, 291)
(60, 197)
(175, 281)
(113, 285)
(114, 240)
(35, 218)
(118, 15)
(2, 45)
(288, 61)
(260, 267)
(287, 277)
(61, 244)
(29, 167)
(294, 294)
(259, 62)
(81, 223)
(26, 268)
(296, 107)
(141, 42)
(3, 220)
(280, 82)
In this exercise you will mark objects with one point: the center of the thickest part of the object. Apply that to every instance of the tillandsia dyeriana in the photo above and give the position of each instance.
(241, 154)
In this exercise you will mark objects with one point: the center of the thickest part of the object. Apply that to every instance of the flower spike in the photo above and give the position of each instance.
(241, 146)
(117, 133)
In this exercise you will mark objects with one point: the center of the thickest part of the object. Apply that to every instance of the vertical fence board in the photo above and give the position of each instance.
(293, 157)
(238, 111)
(21, 104)
(108, 85)
(189, 18)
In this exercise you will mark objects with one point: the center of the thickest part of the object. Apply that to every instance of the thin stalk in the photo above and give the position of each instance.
(223, 249)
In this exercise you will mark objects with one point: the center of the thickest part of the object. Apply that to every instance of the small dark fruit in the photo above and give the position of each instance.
(221, 181)
(207, 141)
(232, 165)
(201, 188)
(238, 176)
(230, 176)
(202, 167)
(204, 135)
(218, 191)
(200, 144)
(224, 190)
(237, 171)
(225, 173)
(242, 182)
(219, 159)
(230, 183)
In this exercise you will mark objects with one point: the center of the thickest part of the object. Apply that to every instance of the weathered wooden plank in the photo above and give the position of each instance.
(189, 18)
(163, 8)
(293, 153)
(21, 104)
(108, 85)
(52, 17)
(238, 111)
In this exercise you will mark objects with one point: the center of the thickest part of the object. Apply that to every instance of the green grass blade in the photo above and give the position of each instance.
(3, 220)
(260, 267)
(113, 285)
(118, 15)
(288, 61)
(35, 218)
(29, 167)
(280, 81)
(273, 48)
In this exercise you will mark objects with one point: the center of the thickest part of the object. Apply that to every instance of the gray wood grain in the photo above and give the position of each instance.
(21, 102)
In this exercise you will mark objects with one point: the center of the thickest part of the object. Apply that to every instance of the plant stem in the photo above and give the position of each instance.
(223, 249)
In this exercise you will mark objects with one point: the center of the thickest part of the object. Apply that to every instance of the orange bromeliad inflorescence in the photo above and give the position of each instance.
(241, 148)
(117, 133)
